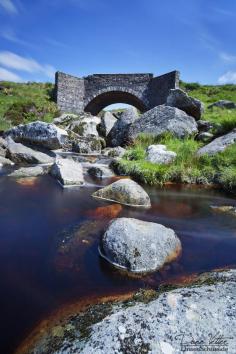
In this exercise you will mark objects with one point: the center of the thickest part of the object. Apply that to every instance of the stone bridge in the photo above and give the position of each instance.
(95, 92)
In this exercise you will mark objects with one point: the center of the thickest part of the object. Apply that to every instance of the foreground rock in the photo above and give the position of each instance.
(34, 171)
(100, 171)
(19, 153)
(117, 135)
(40, 133)
(87, 145)
(223, 104)
(65, 119)
(180, 99)
(124, 191)
(139, 246)
(204, 313)
(107, 122)
(158, 154)
(68, 172)
(218, 144)
(163, 119)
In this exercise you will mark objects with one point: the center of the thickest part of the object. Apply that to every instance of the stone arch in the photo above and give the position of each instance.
(113, 95)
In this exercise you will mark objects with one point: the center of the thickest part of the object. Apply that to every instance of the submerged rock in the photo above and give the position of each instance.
(124, 191)
(162, 119)
(180, 99)
(68, 172)
(218, 144)
(158, 322)
(20, 153)
(158, 154)
(40, 133)
(139, 246)
(225, 209)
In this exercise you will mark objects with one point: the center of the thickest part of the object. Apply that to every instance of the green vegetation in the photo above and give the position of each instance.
(187, 168)
(209, 94)
(26, 102)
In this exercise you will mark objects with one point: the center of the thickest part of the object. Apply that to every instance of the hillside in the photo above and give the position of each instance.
(25, 102)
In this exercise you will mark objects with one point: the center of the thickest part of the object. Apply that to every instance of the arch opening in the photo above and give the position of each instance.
(105, 99)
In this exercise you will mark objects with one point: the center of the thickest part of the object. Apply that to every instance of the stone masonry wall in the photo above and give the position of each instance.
(78, 94)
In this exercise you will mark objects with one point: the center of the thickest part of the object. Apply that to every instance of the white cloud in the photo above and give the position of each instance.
(6, 75)
(228, 58)
(9, 6)
(17, 62)
(228, 78)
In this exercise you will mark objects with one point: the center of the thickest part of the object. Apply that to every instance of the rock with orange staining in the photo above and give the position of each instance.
(124, 191)
(109, 212)
(28, 182)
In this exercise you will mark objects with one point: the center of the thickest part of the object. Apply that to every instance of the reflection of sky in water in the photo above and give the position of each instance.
(49, 238)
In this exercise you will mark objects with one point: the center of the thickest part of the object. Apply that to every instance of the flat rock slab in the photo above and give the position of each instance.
(139, 246)
(20, 153)
(203, 314)
(218, 144)
(33, 171)
(68, 172)
(124, 191)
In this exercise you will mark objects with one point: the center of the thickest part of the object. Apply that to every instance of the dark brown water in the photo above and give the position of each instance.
(49, 238)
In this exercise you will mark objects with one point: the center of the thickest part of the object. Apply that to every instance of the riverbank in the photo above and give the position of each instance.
(186, 168)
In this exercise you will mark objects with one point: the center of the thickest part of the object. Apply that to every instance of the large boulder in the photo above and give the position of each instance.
(67, 172)
(107, 122)
(40, 133)
(160, 155)
(85, 125)
(218, 144)
(139, 246)
(117, 135)
(223, 104)
(124, 191)
(19, 153)
(162, 119)
(88, 145)
(180, 99)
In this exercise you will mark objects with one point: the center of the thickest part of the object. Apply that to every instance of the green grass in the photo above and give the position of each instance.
(209, 94)
(187, 167)
(26, 102)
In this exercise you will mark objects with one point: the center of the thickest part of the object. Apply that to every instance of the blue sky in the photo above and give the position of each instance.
(82, 37)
